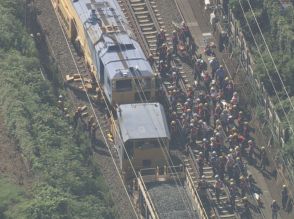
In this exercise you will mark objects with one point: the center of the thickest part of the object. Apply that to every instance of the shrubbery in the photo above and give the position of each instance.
(67, 183)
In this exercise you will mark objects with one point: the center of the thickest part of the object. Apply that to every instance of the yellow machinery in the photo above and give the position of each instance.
(141, 136)
(100, 33)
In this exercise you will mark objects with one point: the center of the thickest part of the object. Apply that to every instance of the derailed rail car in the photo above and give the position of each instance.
(100, 32)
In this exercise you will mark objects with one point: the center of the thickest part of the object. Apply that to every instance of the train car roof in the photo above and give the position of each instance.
(142, 121)
(112, 39)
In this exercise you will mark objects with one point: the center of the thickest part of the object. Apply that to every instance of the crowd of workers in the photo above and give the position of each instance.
(209, 117)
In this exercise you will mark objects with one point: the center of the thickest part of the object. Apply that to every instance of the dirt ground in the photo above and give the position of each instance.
(12, 165)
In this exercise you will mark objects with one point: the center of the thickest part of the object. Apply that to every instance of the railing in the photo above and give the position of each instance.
(195, 168)
(194, 160)
(195, 197)
(164, 173)
(151, 210)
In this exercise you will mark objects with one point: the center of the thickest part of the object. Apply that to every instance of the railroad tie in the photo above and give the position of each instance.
(143, 17)
(138, 4)
(140, 8)
(140, 12)
(228, 216)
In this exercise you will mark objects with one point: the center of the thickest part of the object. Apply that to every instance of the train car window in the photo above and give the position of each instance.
(157, 83)
(143, 83)
(108, 82)
(146, 163)
(129, 153)
(150, 143)
(139, 96)
(101, 70)
(120, 47)
(124, 85)
(147, 82)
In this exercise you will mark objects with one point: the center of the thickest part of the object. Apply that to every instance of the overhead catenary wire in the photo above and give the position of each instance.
(119, 136)
(98, 122)
(250, 192)
(267, 71)
(111, 114)
(271, 126)
(269, 52)
(162, 144)
(112, 117)
(166, 154)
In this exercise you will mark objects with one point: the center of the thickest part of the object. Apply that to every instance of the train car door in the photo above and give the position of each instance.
(74, 32)
(74, 37)
(101, 71)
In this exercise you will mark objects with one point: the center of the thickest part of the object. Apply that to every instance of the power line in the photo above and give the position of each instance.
(271, 128)
(116, 129)
(284, 87)
(162, 144)
(96, 117)
(267, 71)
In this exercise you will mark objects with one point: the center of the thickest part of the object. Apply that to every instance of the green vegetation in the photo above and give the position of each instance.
(67, 181)
(9, 195)
(277, 27)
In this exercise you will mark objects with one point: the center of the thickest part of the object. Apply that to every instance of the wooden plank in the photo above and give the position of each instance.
(69, 78)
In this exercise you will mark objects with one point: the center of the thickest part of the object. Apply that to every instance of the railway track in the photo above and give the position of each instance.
(59, 48)
(146, 22)
(69, 62)
(221, 209)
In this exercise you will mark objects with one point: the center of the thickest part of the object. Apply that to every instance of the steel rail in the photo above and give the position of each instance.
(135, 25)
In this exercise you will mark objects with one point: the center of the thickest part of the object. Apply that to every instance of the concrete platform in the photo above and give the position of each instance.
(188, 15)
